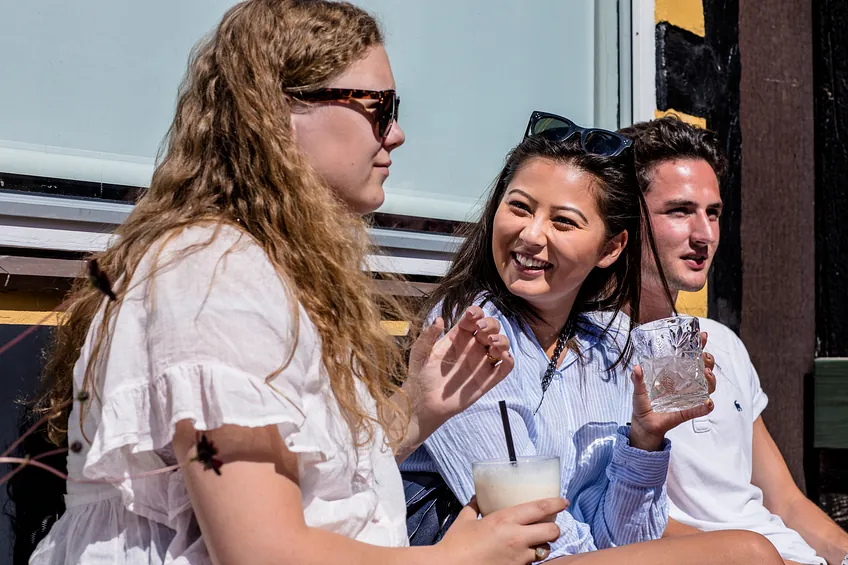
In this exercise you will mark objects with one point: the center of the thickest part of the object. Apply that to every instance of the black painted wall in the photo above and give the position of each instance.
(830, 44)
(721, 20)
(830, 80)
(700, 76)
(33, 498)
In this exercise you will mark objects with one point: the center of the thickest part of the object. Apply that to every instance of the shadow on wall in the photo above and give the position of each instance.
(32, 500)
(833, 488)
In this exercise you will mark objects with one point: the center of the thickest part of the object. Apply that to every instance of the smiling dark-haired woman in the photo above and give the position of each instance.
(556, 255)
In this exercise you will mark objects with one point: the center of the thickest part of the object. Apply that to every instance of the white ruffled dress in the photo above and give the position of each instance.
(197, 341)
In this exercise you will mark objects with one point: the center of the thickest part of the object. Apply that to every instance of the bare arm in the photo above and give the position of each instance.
(783, 497)
(706, 548)
(677, 529)
(252, 513)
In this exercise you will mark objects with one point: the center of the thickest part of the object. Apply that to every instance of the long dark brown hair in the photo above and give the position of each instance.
(473, 273)
(231, 158)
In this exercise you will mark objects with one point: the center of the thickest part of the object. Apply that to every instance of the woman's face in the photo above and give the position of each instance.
(339, 139)
(548, 235)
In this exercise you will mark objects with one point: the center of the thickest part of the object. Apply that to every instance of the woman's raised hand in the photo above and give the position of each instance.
(448, 373)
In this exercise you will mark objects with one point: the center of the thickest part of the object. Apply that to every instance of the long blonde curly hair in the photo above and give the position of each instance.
(230, 157)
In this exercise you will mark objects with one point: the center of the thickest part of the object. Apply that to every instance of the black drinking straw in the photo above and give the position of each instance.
(510, 447)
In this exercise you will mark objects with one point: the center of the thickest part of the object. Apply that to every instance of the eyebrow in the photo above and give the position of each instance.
(566, 208)
(683, 203)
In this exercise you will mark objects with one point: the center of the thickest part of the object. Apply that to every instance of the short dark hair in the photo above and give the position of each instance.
(669, 138)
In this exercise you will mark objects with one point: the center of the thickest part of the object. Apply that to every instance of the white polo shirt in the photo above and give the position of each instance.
(709, 480)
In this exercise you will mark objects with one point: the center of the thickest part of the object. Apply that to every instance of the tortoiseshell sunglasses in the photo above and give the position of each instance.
(386, 109)
(593, 140)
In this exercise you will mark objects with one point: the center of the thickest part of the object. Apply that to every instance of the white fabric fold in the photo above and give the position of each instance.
(208, 332)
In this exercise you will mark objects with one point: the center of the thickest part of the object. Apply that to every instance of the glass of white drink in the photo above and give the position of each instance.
(501, 483)
(670, 353)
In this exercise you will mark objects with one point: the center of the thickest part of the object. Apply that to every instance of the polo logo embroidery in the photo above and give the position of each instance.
(738, 406)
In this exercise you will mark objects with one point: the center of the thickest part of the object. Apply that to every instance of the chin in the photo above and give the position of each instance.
(692, 284)
(366, 206)
(529, 293)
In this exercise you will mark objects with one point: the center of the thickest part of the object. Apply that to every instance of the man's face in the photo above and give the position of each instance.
(685, 205)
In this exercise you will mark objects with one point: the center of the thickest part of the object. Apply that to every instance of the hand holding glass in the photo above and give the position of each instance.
(670, 353)
(501, 483)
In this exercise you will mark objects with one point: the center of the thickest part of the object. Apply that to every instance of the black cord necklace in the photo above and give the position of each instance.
(562, 339)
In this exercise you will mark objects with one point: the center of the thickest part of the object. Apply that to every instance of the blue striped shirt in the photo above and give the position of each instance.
(617, 492)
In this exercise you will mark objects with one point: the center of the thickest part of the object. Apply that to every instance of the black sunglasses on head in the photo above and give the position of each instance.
(386, 109)
(593, 140)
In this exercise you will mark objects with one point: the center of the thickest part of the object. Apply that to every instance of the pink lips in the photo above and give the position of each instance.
(383, 167)
(696, 264)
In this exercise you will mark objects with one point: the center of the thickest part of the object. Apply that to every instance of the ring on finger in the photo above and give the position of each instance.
(492, 360)
(542, 553)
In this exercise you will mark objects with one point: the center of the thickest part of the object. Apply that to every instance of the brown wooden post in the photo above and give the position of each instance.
(778, 318)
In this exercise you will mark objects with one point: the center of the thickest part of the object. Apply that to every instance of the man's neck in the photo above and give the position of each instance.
(653, 304)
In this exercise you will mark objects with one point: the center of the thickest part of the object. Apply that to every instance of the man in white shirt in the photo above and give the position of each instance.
(726, 471)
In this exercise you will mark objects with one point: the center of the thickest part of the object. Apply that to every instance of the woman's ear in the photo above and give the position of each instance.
(612, 250)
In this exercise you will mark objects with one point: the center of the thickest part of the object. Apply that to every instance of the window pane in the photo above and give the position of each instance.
(470, 72)
(91, 86)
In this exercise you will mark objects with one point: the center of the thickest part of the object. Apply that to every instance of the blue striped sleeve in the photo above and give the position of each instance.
(635, 507)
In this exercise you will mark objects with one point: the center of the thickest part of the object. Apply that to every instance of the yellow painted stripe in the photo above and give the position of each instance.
(396, 328)
(693, 303)
(687, 303)
(688, 14)
(30, 300)
(29, 317)
(29, 307)
(688, 118)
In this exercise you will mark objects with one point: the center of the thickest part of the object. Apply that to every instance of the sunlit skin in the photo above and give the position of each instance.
(684, 203)
(685, 207)
(339, 140)
(548, 235)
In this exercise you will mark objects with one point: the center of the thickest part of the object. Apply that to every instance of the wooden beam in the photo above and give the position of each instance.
(14, 266)
(777, 262)
(405, 288)
(38, 267)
